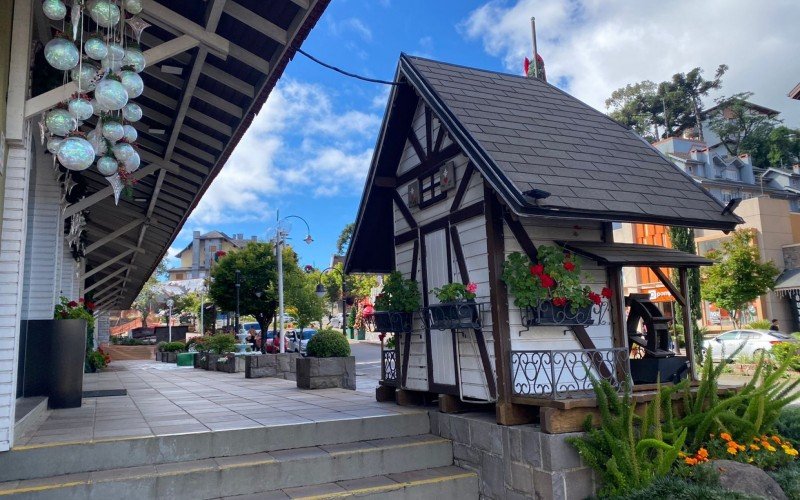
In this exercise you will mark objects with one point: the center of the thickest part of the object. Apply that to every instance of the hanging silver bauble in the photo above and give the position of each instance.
(98, 142)
(53, 144)
(84, 75)
(132, 112)
(104, 13)
(116, 52)
(60, 122)
(81, 109)
(133, 83)
(123, 151)
(107, 165)
(61, 54)
(76, 153)
(134, 57)
(113, 131)
(130, 133)
(95, 48)
(133, 6)
(54, 9)
(110, 94)
(132, 164)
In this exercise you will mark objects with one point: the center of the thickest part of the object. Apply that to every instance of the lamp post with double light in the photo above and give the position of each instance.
(280, 234)
(321, 293)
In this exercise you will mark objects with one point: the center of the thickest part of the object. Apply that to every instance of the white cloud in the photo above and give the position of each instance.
(592, 47)
(350, 25)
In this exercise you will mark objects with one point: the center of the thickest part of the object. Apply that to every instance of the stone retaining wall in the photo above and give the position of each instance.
(324, 373)
(515, 462)
(272, 365)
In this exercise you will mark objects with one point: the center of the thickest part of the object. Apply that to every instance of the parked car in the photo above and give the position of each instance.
(248, 326)
(753, 342)
(271, 346)
(299, 340)
(335, 321)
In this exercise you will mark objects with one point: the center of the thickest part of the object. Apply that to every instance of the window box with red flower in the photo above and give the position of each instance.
(395, 305)
(550, 292)
(457, 309)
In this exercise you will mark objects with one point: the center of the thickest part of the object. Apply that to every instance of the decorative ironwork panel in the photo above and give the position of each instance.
(567, 374)
(455, 316)
(389, 360)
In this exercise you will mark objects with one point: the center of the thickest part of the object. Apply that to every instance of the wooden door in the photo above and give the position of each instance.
(437, 271)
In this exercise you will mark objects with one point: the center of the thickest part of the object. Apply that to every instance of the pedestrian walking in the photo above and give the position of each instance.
(774, 326)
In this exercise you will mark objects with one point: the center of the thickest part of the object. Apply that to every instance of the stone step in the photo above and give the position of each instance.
(246, 474)
(441, 483)
(46, 460)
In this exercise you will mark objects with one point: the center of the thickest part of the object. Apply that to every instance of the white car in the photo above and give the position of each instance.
(753, 342)
(299, 340)
(335, 321)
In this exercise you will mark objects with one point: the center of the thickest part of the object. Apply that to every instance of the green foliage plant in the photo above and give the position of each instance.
(760, 324)
(399, 294)
(787, 352)
(96, 360)
(789, 480)
(220, 343)
(627, 451)
(455, 292)
(328, 343)
(80, 309)
(788, 424)
(176, 346)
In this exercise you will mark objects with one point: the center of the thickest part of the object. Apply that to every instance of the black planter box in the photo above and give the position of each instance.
(68, 349)
(454, 316)
(170, 357)
(547, 314)
(393, 321)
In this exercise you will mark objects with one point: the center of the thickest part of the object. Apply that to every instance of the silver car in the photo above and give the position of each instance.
(753, 342)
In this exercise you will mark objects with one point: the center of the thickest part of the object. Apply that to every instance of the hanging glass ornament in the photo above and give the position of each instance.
(53, 144)
(130, 133)
(61, 54)
(132, 164)
(132, 112)
(98, 142)
(60, 122)
(133, 83)
(116, 185)
(95, 48)
(75, 18)
(42, 128)
(135, 58)
(107, 165)
(84, 75)
(113, 131)
(105, 13)
(116, 52)
(110, 94)
(137, 26)
(81, 108)
(76, 153)
(123, 151)
(133, 6)
(54, 9)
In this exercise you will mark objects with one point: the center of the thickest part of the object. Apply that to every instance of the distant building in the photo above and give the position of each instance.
(197, 257)
(795, 92)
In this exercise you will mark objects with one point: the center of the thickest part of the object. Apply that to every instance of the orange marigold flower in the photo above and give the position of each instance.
(702, 453)
(725, 436)
(776, 439)
(765, 443)
(741, 447)
(733, 450)
(754, 447)
(690, 461)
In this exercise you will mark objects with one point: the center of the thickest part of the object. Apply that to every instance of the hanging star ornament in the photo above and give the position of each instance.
(137, 25)
(76, 225)
(42, 129)
(116, 185)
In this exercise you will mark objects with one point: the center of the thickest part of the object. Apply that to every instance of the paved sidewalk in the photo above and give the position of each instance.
(166, 399)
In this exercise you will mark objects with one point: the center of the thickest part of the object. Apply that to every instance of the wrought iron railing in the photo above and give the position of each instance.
(567, 374)
(389, 367)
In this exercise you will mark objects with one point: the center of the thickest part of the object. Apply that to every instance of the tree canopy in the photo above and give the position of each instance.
(343, 242)
(738, 276)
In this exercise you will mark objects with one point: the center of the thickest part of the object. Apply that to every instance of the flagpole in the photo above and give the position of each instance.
(535, 53)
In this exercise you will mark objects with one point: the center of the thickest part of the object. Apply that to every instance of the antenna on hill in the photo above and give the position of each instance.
(535, 52)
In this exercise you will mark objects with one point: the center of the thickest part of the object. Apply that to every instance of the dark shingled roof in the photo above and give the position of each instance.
(630, 254)
(525, 134)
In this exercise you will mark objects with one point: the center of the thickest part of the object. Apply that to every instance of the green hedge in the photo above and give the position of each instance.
(328, 344)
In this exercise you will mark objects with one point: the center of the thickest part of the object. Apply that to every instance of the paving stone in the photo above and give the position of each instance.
(316, 490)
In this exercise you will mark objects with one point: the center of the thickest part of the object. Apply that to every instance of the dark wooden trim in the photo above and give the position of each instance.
(476, 209)
(401, 205)
(518, 230)
(385, 182)
(462, 186)
(677, 295)
(437, 146)
(409, 235)
(586, 343)
(440, 223)
(428, 131)
(406, 356)
(414, 140)
(430, 163)
(414, 257)
(462, 263)
(480, 339)
(688, 325)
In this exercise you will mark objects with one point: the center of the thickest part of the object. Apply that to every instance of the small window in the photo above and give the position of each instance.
(178, 276)
(430, 190)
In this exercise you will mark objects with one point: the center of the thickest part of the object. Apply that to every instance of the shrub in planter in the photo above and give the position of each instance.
(395, 304)
(220, 343)
(328, 344)
(176, 346)
(97, 360)
(456, 308)
(160, 346)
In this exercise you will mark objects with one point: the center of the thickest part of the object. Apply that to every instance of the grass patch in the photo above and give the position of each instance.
(789, 479)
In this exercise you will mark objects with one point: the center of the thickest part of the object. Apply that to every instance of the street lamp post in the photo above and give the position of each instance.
(170, 303)
(238, 287)
(280, 234)
(321, 293)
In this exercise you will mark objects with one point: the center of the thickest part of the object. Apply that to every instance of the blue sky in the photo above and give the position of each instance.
(308, 150)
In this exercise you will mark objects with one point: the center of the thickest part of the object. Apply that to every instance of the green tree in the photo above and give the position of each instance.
(694, 87)
(343, 242)
(682, 238)
(634, 106)
(783, 146)
(743, 129)
(738, 276)
(301, 295)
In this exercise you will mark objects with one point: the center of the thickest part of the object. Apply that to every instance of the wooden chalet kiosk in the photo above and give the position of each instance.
(472, 165)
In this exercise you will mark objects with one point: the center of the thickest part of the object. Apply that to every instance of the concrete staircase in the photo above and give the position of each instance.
(374, 457)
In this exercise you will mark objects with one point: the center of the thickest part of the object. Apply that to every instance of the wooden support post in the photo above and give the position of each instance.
(688, 334)
(507, 413)
(405, 397)
(385, 393)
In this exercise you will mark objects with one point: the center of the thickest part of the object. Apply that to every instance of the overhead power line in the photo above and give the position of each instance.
(347, 73)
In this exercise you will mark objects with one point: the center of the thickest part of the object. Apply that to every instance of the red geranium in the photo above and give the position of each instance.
(72, 303)
(80, 300)
(559, 301)
(537, 270)
(606, 292)
(90, 305)
(547, 281)
(64, 314)
(569, 265)
(595, 298)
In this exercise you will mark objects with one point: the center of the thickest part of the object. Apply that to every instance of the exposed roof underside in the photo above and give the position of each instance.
(629, 254)
(523, 134)
(229, 55)
(788, 280)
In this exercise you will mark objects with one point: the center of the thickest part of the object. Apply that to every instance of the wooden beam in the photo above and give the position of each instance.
(107, 288)
(688, 326)
(678, 296)
(249, 58)
(111, 236)
(258, 23)
(229, 80)
(107, 278)
(186, 100)
(162, 15)
(43, 102)
(303, 4)
(108, 263)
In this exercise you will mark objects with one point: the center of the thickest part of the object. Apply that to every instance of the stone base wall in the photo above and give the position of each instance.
(515, 462)
(324, 373)
(272, 365)
(230, 363)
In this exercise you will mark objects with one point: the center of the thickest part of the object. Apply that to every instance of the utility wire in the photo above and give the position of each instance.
(347, 73)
